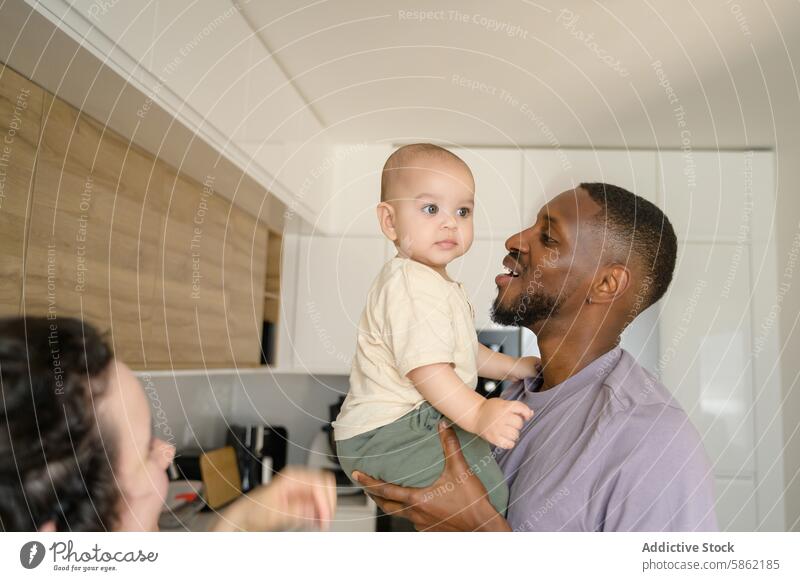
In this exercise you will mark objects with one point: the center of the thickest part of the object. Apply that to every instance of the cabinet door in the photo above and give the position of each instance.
(333, 278)
(498, 189)
(95, 220)
(20, 121)
(209, 290)
(477, 270)
(705, 339)
(549, 172)
(709, 196)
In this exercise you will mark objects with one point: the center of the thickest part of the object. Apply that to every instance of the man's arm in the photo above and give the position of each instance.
(452, 503)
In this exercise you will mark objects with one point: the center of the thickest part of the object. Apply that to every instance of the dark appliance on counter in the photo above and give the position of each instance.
(502, 341)
(260, 452)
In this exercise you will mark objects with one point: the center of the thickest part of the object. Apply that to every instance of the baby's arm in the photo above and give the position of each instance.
(496, 420)
(494, 365)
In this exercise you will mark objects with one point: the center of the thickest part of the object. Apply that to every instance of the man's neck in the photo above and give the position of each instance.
(564, 355)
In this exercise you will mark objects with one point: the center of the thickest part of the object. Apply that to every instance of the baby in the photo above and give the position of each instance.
(418, 356)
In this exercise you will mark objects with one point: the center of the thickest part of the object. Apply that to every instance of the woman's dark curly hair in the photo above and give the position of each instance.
(54, 464)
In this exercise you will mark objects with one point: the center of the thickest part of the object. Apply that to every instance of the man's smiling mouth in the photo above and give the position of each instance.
(512, 271)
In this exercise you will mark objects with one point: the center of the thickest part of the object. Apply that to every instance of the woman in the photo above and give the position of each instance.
(76, 450)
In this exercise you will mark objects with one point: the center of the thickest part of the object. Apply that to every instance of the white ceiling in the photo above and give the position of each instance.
(374, 71)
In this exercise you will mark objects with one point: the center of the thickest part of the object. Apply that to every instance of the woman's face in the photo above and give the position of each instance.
(142, 460)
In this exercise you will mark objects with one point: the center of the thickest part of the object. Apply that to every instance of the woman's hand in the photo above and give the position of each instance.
(457, 501)
(296, 498)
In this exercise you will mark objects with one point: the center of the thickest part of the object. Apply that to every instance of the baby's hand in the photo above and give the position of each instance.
(525, 367)
(500, 421)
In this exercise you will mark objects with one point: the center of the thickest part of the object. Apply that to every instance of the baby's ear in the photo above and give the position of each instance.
(386, 220)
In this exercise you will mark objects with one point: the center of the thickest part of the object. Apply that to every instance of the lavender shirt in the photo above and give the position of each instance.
(609, 449)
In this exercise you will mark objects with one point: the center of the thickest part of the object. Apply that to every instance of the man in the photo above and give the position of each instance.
(607, 449)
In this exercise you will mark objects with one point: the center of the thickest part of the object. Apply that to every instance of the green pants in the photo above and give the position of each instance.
(408, 452)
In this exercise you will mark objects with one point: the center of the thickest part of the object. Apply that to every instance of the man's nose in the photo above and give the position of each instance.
(517, 243)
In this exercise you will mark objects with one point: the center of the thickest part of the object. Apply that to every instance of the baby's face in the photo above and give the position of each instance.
(434, 202)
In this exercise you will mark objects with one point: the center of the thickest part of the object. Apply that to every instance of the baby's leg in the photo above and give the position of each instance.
(408, 452)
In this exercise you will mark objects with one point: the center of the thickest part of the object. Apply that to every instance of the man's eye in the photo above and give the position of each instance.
(431, 209)
(547, 240)
(463, 212)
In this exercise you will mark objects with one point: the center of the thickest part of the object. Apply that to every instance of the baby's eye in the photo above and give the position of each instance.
(463, 212)
(431, 209)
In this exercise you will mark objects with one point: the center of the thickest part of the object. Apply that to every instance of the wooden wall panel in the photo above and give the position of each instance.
(93, 245)
(206, 279)
(272, 288)
(169, 268)
(20, 124)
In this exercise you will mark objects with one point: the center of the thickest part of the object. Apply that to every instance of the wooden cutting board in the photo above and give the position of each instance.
(221, 480)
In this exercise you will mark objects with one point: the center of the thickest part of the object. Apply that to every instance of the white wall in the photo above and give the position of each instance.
(194, 410)
(788, 235)
(298, 402)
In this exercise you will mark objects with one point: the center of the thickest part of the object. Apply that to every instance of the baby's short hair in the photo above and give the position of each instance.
(404, 157)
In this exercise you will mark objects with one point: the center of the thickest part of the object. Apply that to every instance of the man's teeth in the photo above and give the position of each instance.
(512, 272)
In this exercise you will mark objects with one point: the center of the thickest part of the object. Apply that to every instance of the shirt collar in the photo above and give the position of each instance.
(595, 373)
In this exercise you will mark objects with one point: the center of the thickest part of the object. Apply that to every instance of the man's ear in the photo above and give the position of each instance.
(386, 218)
(614, 280)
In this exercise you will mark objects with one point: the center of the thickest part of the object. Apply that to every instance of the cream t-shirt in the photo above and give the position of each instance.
(413, 317)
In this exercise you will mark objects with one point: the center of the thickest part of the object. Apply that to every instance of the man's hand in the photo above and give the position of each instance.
(499, 421)
(457, 501)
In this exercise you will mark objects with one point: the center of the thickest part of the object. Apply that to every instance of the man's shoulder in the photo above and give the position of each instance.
(640, 402)
(633, 386)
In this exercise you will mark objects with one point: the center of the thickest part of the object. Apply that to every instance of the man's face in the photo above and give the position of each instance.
(550, 265)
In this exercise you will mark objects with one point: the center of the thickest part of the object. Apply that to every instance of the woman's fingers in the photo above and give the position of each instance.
(313, 494)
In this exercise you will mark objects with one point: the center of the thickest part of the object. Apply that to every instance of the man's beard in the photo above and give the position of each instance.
(530, 308)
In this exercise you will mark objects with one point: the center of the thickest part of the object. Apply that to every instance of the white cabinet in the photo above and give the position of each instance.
(498, 190)
(477, 270)
(736, 509)
(548, 172)
(350, 208)
(709, 195)
(333, 277)
(715, 355)
(705, 338)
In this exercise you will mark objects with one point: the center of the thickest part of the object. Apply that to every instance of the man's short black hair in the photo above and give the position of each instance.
(639, 229)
